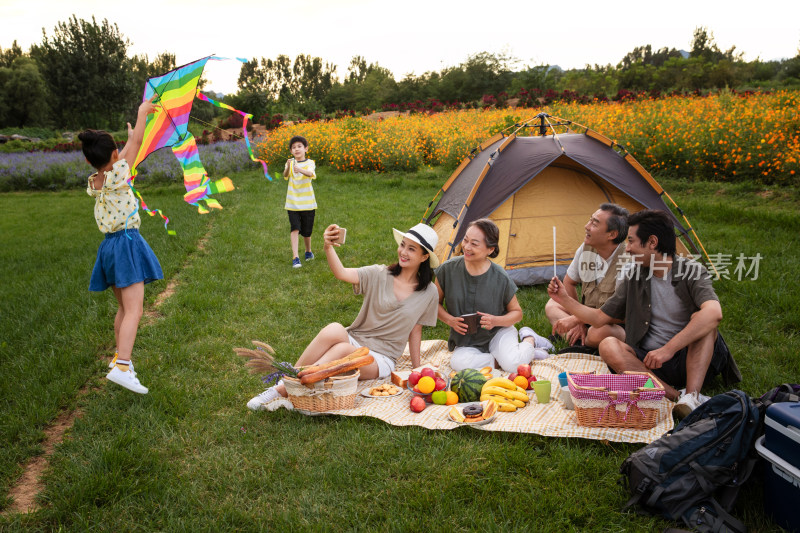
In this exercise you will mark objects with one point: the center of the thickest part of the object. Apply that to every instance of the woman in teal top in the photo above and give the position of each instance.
(472, 283)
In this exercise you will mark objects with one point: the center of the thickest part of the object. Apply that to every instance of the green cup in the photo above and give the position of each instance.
(542, 390)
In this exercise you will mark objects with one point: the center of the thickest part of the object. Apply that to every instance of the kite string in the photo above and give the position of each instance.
(245, 117)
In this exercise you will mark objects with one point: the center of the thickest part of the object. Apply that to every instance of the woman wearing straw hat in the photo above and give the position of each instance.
(398, 301)
(472, 284)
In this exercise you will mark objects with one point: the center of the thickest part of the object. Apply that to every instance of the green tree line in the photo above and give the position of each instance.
(82, 76)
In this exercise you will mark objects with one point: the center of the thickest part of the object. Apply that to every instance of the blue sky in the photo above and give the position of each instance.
(415, 36)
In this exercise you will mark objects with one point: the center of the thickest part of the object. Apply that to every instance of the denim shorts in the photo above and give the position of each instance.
(124, 258)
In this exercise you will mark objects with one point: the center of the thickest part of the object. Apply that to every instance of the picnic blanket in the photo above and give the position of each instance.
(550, 419)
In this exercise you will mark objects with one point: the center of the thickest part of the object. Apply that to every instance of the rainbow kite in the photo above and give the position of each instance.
(168, 126)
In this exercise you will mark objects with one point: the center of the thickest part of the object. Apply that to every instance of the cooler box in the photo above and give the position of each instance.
(780, 447)
(782, 431)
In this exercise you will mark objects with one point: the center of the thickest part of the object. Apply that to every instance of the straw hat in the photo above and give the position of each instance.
(423, 235)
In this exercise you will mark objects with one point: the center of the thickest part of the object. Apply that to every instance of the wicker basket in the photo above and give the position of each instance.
(616, 400)
(330, 394)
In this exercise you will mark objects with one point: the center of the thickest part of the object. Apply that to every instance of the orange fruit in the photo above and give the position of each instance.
(452, 398)
(426, 384)
(521, 381)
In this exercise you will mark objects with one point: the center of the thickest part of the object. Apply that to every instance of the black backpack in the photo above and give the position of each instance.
(788, 392)
(693, 473)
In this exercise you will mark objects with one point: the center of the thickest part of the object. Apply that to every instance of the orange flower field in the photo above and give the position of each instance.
(724, 137)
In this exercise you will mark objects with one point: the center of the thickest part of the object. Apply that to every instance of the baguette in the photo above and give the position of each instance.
(316, 368)
(351, 364)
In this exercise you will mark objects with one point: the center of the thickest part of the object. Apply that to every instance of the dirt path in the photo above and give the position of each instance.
(23, 493)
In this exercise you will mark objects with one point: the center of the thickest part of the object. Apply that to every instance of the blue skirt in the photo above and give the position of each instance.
(123, 260)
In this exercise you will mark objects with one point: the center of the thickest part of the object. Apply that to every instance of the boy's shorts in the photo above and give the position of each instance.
(673, 372)
(302, 221)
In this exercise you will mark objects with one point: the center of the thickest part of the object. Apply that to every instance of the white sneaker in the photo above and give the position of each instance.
(688, 403)
(126, 379)
(538, 340)
(259, 403)
(113, 363)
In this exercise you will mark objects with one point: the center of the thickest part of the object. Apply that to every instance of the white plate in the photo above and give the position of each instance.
(480, 423)
(365, 393)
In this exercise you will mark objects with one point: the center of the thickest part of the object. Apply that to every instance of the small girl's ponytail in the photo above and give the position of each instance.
(97, 146)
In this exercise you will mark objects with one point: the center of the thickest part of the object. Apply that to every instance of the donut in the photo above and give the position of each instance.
(473, 409)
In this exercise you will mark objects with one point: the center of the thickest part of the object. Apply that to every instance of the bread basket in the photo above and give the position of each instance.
(330, 394)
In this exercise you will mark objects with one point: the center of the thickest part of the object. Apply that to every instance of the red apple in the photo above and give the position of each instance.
(530, 383)
(512, 376)
(440, 384)
(427, 371)
(413, 378)
(533, 378)
(417, 404)
(524, 370)
(416, 389)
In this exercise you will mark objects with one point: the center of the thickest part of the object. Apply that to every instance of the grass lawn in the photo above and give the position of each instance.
(190, 456)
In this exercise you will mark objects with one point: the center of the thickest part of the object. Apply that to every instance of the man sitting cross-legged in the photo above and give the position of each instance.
(596, 266)
(671, 315)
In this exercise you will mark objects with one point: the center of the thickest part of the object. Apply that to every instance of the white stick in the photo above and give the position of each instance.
(554, 252)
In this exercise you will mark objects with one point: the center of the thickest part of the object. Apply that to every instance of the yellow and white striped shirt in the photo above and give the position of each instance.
(300, 194)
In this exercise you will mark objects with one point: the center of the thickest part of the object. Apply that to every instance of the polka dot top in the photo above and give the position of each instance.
(115, 201)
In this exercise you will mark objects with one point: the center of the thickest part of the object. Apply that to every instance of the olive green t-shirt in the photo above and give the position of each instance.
(463, 294)
(383, 324)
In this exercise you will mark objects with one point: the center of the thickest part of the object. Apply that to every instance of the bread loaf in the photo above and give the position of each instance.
(400, 378)
(341, 368)
(360, 352)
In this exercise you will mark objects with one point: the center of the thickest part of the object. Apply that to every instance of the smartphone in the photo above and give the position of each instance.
(342, 235)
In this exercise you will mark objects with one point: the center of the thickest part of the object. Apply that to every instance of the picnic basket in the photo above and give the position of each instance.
(615, 400)
(330, 394)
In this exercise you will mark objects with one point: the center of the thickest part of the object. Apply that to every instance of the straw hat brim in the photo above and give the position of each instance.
(399, 236)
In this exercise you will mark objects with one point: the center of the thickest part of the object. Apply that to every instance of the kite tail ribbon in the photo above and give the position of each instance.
(199, 186)
(151, 212)
(245, 118)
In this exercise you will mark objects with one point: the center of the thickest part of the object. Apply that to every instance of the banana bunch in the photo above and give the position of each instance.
(508, 395)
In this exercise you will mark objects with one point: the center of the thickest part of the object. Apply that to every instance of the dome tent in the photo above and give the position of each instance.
(529, 183)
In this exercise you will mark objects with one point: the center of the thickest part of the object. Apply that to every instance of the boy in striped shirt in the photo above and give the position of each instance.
(300, 201)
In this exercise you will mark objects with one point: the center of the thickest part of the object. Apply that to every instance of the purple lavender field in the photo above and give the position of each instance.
(25, 171)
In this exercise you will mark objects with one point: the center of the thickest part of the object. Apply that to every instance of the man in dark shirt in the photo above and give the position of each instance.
(671, 315)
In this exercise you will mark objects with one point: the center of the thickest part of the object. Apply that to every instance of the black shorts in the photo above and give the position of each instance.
(673, 372)
(302, 221)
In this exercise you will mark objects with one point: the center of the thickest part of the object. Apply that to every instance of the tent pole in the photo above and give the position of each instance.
(435, 196)
(691, 228)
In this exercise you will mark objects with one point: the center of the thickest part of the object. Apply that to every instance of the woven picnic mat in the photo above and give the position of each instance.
(550, 419)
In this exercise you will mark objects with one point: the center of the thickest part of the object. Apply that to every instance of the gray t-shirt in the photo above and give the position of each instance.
(670, 314)
(463, 294)
(383, 324)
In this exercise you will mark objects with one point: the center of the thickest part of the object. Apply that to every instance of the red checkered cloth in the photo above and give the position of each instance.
(623, 384)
